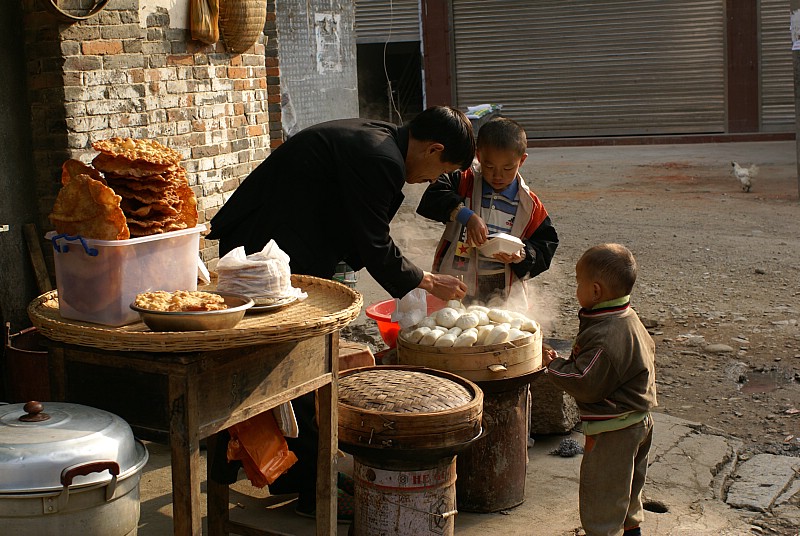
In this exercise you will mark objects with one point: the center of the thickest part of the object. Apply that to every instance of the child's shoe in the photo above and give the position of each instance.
(632, 532)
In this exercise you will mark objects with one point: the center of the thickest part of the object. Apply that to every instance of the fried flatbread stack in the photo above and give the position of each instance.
(156, 197)
(88, 207)
(133, 188)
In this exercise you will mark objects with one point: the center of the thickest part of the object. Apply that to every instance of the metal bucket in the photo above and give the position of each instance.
(27, 373)
(346, 275)
(492, 470)
(410, 498)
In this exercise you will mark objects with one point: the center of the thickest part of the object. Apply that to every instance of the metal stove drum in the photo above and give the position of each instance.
(404, 426)
(492, 470)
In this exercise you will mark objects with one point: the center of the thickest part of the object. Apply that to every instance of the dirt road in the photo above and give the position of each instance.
(719, 270)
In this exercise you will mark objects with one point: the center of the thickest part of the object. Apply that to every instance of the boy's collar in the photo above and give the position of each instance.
(510, 191)
(616, 302)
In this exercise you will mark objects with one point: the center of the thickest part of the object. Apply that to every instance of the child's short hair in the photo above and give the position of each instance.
(503, 133)
(613, 265)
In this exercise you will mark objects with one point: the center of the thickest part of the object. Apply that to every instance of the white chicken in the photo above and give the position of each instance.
(745, 175)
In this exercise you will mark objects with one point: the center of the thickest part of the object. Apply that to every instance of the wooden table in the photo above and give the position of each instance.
(182, 397)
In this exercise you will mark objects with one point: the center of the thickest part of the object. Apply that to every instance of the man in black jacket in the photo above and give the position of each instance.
(329, 193)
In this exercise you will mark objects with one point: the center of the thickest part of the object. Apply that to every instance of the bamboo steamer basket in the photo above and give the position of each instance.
(477, 363)
(397, 407)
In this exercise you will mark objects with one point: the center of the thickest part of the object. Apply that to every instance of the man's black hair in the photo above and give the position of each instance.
(451, 128)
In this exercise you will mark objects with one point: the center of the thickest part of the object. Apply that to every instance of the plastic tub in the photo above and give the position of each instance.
(381, 312)
(98, 280)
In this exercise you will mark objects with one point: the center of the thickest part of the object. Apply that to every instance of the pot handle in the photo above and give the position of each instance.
(83, 469)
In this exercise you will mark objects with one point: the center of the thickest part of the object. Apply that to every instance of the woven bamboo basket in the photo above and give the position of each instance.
(241, 22)
(400, 407)
(477, 363)
(330, 306)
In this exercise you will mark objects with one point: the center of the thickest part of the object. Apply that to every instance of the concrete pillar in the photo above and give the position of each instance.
(795, 19)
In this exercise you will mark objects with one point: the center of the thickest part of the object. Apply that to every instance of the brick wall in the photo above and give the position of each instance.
(114, 75)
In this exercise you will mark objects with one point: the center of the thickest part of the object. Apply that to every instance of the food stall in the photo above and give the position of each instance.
(181, 387)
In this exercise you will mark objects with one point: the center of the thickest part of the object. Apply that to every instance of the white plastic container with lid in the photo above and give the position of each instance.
(98, 280)
(500, 243)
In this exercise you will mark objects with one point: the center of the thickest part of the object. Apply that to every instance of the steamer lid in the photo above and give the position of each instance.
(402, 391)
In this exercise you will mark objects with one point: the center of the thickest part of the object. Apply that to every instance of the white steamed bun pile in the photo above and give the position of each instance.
(474, 325)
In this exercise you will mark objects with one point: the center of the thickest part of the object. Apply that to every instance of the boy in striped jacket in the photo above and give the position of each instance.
(491, 197)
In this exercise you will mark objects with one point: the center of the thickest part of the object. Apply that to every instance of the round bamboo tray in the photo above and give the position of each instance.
(330, 306)
(477, 363)
(400, 407)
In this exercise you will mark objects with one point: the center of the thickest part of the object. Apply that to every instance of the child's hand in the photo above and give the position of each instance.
(476, 231)
(510, 258)
(548, 355)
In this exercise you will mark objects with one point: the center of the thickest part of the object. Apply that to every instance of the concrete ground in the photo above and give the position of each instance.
(698, 484)
(689, 466)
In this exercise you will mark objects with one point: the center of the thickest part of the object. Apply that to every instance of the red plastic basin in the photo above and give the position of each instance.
(381, 312)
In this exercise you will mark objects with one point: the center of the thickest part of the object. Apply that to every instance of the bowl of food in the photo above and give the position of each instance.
(190, 310)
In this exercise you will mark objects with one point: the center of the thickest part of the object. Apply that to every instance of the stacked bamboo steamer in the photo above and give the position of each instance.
(412, 409)
(478, 362)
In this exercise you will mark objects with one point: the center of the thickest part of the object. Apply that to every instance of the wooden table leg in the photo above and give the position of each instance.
(328, 444)
(185, 449)
(218, 494)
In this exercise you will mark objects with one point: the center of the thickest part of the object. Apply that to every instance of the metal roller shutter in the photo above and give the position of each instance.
(777, 76)
(581, 68)
(389, 20)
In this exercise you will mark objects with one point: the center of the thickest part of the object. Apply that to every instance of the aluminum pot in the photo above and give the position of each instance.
(68, 469)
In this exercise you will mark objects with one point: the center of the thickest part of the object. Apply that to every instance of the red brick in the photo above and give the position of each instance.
(255, 130)
(180, 59)
(101, 48)
(137, 75)
(353, 355)
(237, 72)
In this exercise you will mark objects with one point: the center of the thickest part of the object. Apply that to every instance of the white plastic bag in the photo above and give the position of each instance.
(411, 308)
(263, 276)
(285, 417)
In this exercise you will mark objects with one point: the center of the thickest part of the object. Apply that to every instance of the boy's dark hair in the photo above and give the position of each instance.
(612, 264)
(451, 128)
(505, 134)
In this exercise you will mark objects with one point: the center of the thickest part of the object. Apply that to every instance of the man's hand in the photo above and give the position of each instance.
(444, 287)
(476, 231)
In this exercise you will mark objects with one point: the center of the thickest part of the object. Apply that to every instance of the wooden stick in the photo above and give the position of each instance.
(37, 258)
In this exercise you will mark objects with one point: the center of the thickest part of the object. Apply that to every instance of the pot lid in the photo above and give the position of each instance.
(45, 446)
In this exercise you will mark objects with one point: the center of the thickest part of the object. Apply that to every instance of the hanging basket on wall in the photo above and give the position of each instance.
(241, 22)
(70, 12)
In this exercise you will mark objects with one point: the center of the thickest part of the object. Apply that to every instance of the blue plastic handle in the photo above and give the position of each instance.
(92, 252)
